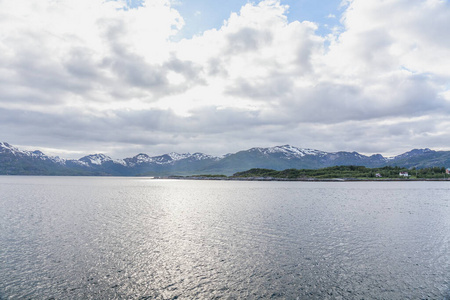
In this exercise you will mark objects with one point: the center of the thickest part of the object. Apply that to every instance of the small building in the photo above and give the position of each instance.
(378, 175)
(447, 171)
(404, 174)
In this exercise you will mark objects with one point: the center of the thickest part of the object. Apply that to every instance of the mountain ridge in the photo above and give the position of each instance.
(23, 162)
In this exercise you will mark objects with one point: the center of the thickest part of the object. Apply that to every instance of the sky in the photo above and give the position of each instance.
(156, 76)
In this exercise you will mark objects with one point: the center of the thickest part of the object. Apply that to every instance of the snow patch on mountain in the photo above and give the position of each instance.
(165, 159)
(290, 151)
(202, 156)
(95, 159)
(7, 148)
(142, 158)
(99, 159)
(58, 160)
(176, 156)
(120, 162)
(80, 162)
(356, 154)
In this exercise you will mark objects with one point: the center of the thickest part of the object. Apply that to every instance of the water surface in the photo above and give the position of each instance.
(92, 237)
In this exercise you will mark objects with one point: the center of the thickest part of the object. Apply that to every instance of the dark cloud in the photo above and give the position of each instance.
(80, 64)
(188, 69)
(136, 72)
(248, 39)
(216, 67)
(333, 103)
(273, 87)
(36, 77)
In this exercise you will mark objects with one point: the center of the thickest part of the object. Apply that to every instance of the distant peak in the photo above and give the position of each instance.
(97, 155)
(288, 151)
(414, 152)
(6, 145)
(9, 148)
(96, 159)
(177, 156)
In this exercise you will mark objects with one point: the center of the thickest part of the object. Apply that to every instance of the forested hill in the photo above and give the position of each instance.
(357, 172)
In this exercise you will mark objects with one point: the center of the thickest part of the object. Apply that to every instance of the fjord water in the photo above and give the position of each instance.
(105, 238)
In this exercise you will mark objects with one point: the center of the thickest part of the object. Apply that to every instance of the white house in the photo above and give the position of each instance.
(404, 174)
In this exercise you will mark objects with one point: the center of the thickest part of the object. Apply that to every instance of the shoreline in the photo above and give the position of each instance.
(301, 179)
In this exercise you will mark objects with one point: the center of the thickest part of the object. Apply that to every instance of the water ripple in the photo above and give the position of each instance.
(91, 238)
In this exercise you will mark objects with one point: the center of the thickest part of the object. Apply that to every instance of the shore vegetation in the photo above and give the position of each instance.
(356, 172)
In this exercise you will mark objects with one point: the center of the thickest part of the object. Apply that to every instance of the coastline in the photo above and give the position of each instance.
(300, 179)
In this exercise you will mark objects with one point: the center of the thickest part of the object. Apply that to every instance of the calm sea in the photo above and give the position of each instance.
(139, 238)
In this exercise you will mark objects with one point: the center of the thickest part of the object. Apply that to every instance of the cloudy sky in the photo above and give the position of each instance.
(154, 76)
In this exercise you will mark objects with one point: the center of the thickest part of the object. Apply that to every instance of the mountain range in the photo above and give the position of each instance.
(14, 161)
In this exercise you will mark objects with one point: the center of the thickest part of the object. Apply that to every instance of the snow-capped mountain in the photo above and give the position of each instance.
(166, 159)
(7, 149)
(289, 151)
(100, 159)
(16, 161)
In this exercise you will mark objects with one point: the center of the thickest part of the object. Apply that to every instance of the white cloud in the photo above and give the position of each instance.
(387, 35)
(84, 47)
(112, 75)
